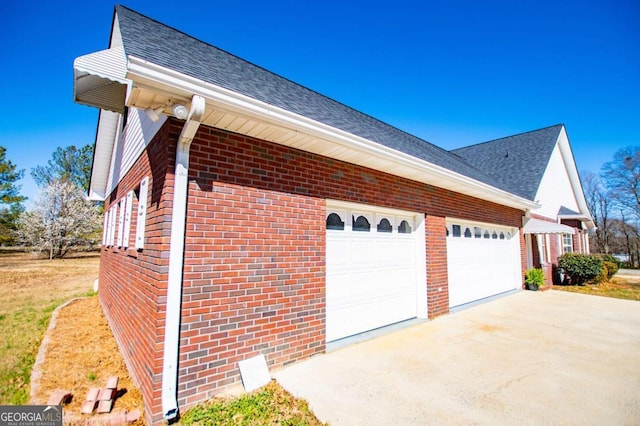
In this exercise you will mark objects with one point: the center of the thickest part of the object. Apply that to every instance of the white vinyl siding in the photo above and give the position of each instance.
(130, 143)
(555, 189)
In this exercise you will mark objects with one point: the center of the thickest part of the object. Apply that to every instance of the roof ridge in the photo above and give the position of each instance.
(296, 98)
(506, 137)
(286, 79)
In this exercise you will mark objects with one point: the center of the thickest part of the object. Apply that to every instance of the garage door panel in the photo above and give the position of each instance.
(371, 276)
(480, 267)
(337, 252)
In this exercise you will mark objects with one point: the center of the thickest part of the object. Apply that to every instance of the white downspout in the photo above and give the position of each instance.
(176, 259)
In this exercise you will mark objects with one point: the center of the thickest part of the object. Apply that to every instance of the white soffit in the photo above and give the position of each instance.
(105, 140)
(99, 79)
(537, 226)
(319, 138)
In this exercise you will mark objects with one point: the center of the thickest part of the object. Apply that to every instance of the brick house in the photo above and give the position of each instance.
(246, 214)
(539, 166)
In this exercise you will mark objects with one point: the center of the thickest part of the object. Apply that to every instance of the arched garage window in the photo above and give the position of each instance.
(385, 225)
(467, 233)
(361, 224)
(334, 222)
(404, 227)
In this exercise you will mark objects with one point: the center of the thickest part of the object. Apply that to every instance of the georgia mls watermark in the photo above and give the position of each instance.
(30, 415)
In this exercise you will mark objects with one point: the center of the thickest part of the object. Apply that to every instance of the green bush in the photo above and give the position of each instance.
(612, 268)
(602, 275)
(611, 263)
(580, 267)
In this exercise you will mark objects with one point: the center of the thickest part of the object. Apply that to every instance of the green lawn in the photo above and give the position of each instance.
(269, 405)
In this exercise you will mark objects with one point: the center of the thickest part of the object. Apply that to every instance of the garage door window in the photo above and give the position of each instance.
(334, 222)
(404, 227)
(385, 225)
(361, 224)
(476, 232)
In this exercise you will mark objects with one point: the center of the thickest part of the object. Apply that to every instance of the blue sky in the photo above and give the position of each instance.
(451, 72)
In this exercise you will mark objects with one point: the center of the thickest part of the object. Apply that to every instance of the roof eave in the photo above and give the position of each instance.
(99, 79)
(106, 135)
(154, 77)
(574, 178)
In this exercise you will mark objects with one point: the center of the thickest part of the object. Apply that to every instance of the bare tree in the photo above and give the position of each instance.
(600, 205)
(622, 179)
(60, 219)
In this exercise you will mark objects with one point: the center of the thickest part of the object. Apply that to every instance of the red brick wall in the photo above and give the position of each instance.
(437, 275)
(133, 283)
(254, 270)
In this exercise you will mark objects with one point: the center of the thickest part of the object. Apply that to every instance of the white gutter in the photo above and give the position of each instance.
(143, 72)
(176, 259)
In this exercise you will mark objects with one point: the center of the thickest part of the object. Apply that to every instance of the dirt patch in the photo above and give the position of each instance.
(81, 354)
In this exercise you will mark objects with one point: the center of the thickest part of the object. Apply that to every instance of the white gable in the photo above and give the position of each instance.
(555, 188)
(130, 143)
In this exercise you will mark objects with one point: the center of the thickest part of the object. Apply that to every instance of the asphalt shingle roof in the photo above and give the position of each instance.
(566, 211)
(517, 161)
(155, 42)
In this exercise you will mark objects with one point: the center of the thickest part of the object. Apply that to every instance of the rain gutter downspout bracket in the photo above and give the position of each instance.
(176, 260)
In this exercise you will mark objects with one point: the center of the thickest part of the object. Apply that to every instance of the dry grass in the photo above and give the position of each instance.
(620, 287)
(30, 289)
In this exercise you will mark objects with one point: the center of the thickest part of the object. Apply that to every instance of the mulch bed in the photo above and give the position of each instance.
(81, 353)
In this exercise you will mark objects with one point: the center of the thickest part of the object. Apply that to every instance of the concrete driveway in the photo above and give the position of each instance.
(528, 358)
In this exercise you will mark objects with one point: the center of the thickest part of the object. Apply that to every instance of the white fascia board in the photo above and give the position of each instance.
(106, 134)
(574, 177)
(158, 77)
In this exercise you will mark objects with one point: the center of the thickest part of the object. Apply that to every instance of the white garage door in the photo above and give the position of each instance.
(375, 262)
(482, 260)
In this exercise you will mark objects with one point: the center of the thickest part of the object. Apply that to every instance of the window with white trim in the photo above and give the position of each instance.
(142, 213)
(112, 224)
(122, 206)
(567, 243)
(127, 219)
(105, 229)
